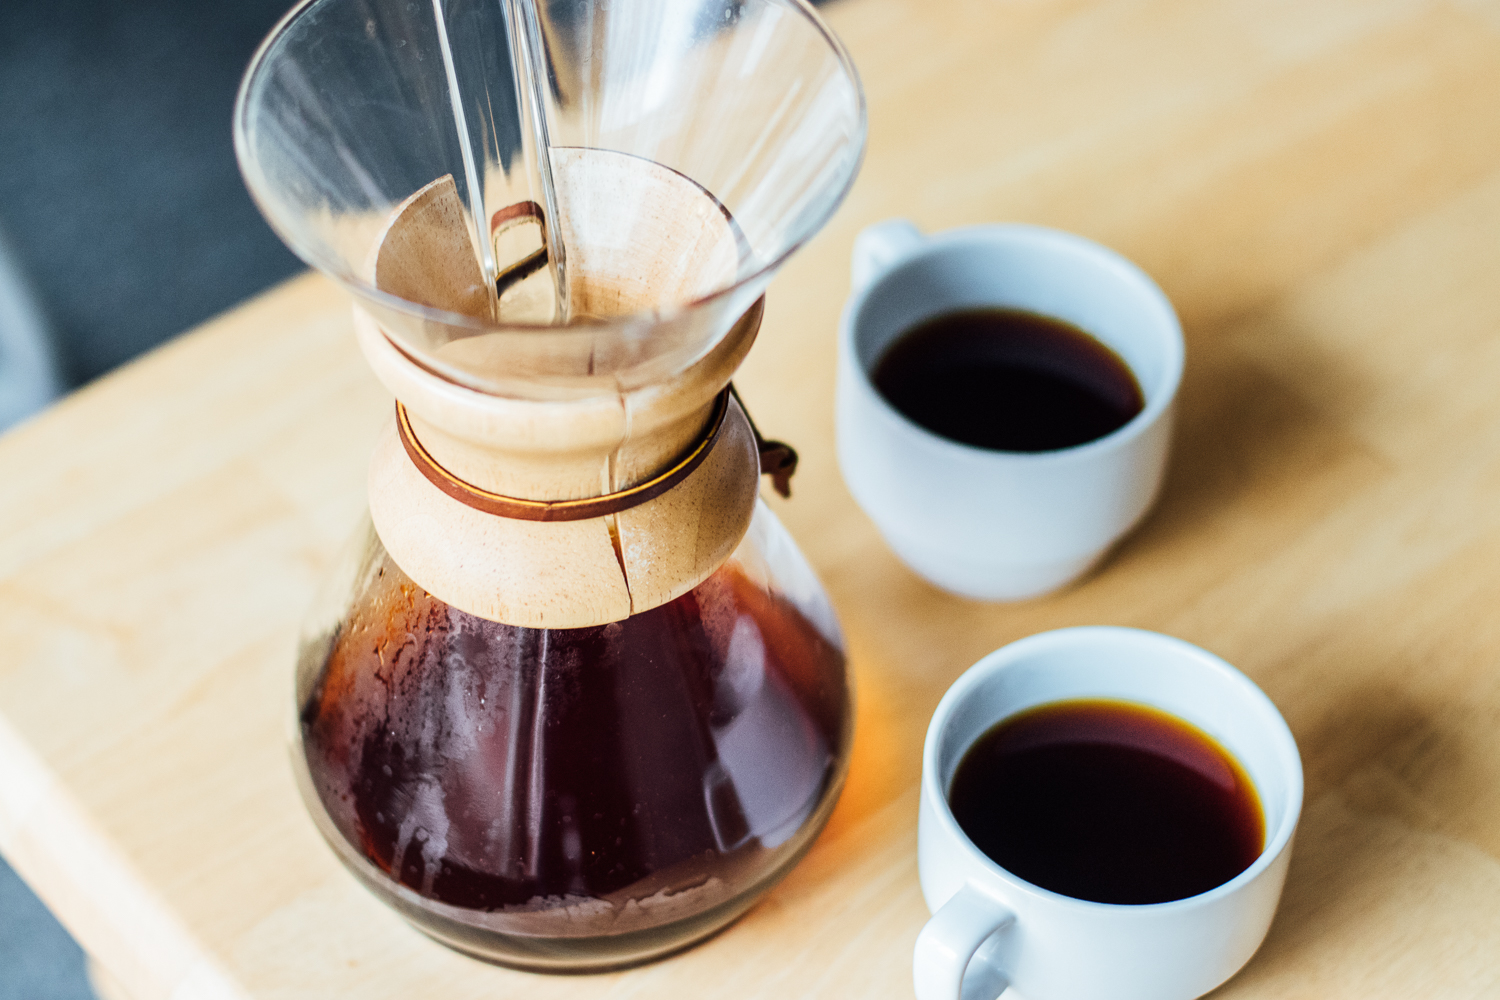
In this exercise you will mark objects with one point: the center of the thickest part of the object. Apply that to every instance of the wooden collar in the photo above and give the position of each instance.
(558, 510)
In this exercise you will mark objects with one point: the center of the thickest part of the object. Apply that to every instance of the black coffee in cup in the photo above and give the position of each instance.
(1108, 801)
(1008, 380)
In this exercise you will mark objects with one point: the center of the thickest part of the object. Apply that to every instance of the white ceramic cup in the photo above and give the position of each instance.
(991, 524)
(1046, 946)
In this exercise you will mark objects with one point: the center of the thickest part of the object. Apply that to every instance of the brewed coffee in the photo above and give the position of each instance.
(1008, 380)
(575, 789)
(1108, 801)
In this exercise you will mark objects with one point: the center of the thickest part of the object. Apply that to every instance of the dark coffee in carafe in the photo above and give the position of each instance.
(575, 787)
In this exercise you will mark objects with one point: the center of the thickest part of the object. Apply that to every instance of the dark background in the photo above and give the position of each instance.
(118, 186)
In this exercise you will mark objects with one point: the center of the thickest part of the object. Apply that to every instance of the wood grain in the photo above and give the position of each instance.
(1316, 185)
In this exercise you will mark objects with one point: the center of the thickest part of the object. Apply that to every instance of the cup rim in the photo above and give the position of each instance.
(1276, 843)
(1026, 234)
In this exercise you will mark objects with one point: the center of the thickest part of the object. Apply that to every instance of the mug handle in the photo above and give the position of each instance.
(950, 940)
(879, 246)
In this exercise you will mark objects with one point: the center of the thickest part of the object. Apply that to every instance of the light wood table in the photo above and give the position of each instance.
(1317, 187)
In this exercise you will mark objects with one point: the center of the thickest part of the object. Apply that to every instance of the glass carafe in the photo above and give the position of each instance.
(577, 798)
(574, 699)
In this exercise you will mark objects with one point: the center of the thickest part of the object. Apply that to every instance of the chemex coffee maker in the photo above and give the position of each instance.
(575, 700)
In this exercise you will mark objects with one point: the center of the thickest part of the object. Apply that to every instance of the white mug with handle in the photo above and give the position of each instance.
(991, 929)
(989, 524)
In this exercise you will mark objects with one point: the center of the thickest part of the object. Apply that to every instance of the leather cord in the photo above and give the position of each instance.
(557, 510)
(777, 460)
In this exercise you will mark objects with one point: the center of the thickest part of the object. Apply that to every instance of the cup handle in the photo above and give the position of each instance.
(877, 247)
(950, 940)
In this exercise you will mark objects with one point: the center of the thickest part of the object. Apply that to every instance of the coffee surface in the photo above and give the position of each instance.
(1008, 380)
(1108, 801)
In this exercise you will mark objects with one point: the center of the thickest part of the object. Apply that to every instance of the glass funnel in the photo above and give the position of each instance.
(351, 106)
(575, 700)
